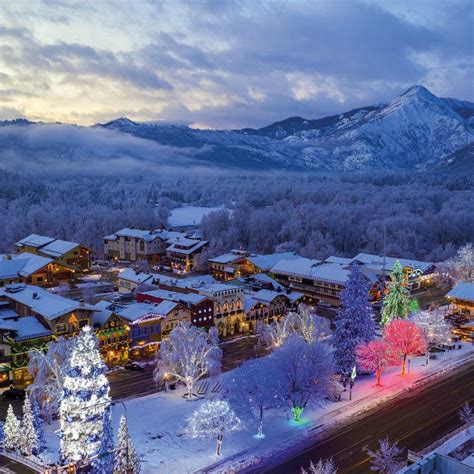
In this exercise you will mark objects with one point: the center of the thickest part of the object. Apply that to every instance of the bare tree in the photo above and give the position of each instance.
(386, 459)
(322, 467)
(466, 414)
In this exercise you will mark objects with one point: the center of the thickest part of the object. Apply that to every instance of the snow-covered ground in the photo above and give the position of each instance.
(189, 215)
(157, 421)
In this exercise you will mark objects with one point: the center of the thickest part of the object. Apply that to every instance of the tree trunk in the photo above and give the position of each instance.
(260, 424)
(404, 364)
(379, 375)
(219, 444)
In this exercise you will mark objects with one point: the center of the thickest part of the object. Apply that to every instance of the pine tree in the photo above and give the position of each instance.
(354, 324)
(105, 463)
(28, 438)
(38, 423)
(85, 400)
(397, 301)
(11, 431)
(126, 458)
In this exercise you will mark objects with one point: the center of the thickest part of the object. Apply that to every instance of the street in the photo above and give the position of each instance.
(128, 383)
(426, 415)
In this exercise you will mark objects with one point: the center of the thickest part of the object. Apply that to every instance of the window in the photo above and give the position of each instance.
(61, 328)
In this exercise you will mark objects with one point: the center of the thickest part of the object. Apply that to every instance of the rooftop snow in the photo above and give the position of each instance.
(463, 291)
(59, 247)
(24, 264)
(34, 240)
(192, 246)
(26, 327)
(313, 269)
(225, 258)
(175, 296)
(132, 275)
(376, 262)
(136, 311)
(266, 262)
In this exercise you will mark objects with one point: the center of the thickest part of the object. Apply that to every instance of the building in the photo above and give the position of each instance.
(73, 255)
(34, 269)
(239, 263)
(150, 322)
(129, 280)
(419, 275)
(183, 253)
(113, 333)
(462, 297)
(137, 244)
(201, 307)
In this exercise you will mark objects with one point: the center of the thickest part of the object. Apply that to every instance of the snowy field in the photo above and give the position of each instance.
(157, 422)
(189, 215)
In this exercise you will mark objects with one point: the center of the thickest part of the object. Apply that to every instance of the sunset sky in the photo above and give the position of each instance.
(225, 64)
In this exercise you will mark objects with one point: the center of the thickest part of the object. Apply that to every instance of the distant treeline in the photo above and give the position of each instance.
(426, 216)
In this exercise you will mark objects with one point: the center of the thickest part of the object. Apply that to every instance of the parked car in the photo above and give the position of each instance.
(134, 366)
(16, 393)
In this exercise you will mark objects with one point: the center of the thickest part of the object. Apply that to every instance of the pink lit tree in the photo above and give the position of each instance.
(406, 339)
(376, 356)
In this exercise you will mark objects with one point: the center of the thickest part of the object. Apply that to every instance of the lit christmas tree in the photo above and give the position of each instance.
(38, 423)
(105, 462)
(85, 400)
(397, 302)
(126, 458)
(11, 431)
(28, 438)
(354, 324)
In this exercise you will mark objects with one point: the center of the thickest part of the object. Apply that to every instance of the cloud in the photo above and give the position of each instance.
(228, 64)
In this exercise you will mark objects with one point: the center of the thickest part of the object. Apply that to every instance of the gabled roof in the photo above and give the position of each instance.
(192, 246)
(25, 327)
(303, 267)
(266, 262)
(341, 260)
(131, 275)
(136, 311)
(59, 248)
(22, 265)
(375, 262)
(193, 298)
(463, 291)
(41, 301)
(267, 296)
(34, 240)
(225, 258)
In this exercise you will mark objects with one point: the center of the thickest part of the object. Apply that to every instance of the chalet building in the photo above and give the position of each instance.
(19, 336)
(137, 244)
(183, 253)
(201, 306)
(419, 275)
(33, 314)
(462, 297)
(71, 255)
(239, 263)
(315, 279)
(113, 333)
(129, 280)
(34, 269)
(150, 322)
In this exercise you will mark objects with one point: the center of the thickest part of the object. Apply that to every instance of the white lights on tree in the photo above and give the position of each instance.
(213, 419)
(126, 458)
(85, 400)
(187, 355)
(11, 431)
(29, 437)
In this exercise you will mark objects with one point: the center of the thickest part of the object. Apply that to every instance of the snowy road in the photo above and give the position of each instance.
(428, 414)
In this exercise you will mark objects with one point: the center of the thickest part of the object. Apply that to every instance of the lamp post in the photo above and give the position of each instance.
(352, 381)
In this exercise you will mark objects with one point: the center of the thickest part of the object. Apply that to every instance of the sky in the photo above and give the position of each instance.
(226, 64)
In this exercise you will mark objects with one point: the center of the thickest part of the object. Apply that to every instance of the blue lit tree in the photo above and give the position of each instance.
(354, 324)
(38, 424)
(104, 464)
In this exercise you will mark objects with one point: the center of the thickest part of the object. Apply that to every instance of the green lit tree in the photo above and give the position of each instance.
(397, 302)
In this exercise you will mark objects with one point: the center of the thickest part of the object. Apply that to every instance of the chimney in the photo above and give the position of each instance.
(35, 296)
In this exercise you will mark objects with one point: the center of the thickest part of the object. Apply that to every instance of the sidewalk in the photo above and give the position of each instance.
(365, 397)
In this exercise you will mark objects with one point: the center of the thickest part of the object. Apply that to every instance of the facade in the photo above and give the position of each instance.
(462, 297)
(239, 263)
(128, 280)
(136, 244)
(113, 333)
(201, 307)
(183, 253)
(34, 269)
(68, 254)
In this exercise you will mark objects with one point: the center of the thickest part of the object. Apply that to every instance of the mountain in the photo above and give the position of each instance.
(415, 131)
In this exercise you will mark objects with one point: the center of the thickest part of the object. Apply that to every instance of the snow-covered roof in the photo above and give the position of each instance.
(131, 275)
(191, 246)
(215, 289)
(34, 240)
(192, 298)
(24, 264)
(341, 260)
(58, 248)
(463, 291)
(266, 262)
(375, 262)
(249, 302)
(26, 327)
(313, 269)
(41, 301)
(267, 296)
(136, 311)
(225, 258)
(294, 296)
(190, 282)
